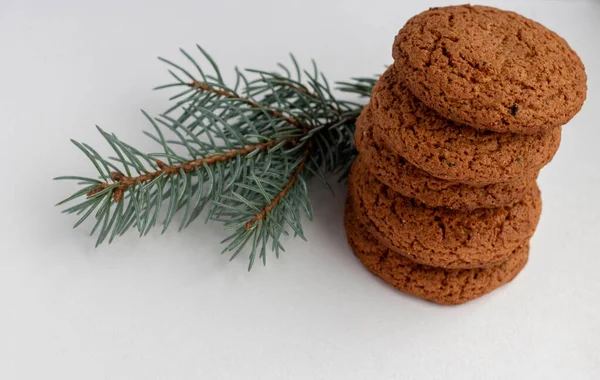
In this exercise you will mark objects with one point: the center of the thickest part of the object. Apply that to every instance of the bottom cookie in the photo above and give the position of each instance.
(442, 286)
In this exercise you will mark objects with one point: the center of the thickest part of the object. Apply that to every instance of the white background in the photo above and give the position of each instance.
(170, 307)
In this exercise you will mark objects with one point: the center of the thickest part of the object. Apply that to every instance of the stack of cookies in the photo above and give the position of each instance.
(443, 196)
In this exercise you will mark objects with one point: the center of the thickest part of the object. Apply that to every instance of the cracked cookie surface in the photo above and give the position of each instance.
(490, 69)
(400, 175)
(442, 237)
(443, 286)
(451, 151)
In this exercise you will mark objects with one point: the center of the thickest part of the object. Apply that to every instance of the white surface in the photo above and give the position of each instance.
(170, 307)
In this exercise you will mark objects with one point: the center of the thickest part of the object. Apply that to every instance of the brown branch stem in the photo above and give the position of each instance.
(123, 182)
(305, 91)
(206, 87)
(286, 189)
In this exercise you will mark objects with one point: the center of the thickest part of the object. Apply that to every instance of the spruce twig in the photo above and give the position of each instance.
(242, 153)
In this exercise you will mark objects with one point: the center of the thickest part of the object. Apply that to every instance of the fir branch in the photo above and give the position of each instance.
(243, 153)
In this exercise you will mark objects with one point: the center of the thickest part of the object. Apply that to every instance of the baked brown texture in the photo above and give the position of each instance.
(400, 175)
(443, 286)
(442, 237)
(490, 69)
(451, 151)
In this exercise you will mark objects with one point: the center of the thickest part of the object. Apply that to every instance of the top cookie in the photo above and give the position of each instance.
(490, 69)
